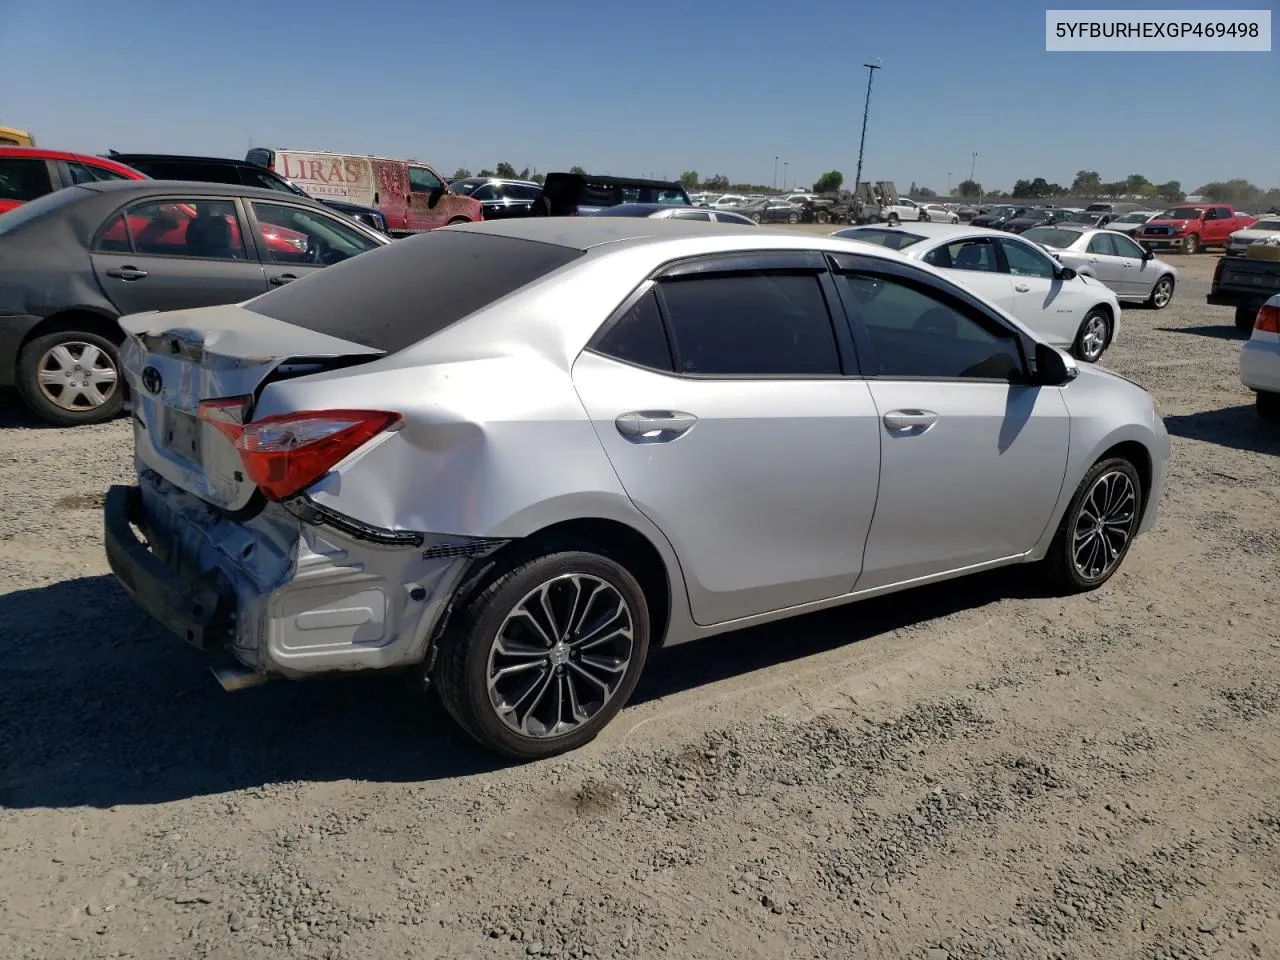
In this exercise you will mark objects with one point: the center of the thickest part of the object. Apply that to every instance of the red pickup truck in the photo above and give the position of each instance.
(1191, 227)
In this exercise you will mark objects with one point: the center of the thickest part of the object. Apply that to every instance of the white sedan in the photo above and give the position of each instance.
(1112, 257)
(1049, 298)
(1260, 360)
(1258, 230)
(939, 213)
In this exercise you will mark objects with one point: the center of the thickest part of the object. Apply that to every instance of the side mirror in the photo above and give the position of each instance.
(1148, 254)
(1053, 367)
(1067, 273)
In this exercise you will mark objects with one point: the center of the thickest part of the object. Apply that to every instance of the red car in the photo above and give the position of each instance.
(30, 172)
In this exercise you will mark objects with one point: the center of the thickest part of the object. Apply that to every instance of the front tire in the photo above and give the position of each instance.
(71, 378)
(1161, 293)
(1246, 317)
(793, 218)
(546, 655)
(1192, 246)
(1094, 535)
(1093, 336)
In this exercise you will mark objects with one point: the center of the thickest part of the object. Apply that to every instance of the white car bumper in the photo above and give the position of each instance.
(1260, 363)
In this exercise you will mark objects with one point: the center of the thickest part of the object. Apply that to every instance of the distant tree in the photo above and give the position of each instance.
(925, 192)
(538, 178)
(578, 170)
(1021, 188)
(1238, 193)
(969, 188)
(1136, 183)
(1057, 190)
(718, 182)
(689, 179)
(506, 171)
(486, 172)
(461, 173)
(524, 174)
(1171, 191)
(1116, 189)
(1088, 183)
(1040, 188)
(829, 182)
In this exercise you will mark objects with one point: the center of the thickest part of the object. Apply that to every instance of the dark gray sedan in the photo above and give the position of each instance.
(74, 261)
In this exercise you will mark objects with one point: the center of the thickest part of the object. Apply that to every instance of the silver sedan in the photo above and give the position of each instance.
(517, 456)
(1135, 274)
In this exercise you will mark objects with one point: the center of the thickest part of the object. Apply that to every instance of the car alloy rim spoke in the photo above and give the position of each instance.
(76, 376)
(560, 655)
(1104, 525)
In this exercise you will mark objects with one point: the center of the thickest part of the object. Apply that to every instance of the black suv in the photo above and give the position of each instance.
(163, 166)
(574, 194)
(501, 199)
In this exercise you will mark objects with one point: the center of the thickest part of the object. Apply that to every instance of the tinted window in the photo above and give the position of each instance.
(521, 191)
(691, 215)
(638, 336)
(672, 196)
(893, 239)
(722, 217)
(406, 291)
(1101, 243)
(973, 254)
(114, 237)
(256, 177)
(422, 180)
(89, 172)
(1025, 261)
(751, 324)
(187, 170)
(487, 192)
(914, 333)
(185, 228)
(23, 179)
(295, 235)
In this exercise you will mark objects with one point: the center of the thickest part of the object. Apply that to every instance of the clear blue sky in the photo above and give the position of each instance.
(657, 88)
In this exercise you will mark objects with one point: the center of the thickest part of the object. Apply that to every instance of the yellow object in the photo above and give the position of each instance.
(13, 137)
(1262, 251)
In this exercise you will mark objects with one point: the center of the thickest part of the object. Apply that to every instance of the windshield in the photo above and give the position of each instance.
(1133, 218)
(39, 208)
(1080, 218)
(1260, 225)
(893, 239)
(1052, 237)
(1182, 213)
(1002, 212)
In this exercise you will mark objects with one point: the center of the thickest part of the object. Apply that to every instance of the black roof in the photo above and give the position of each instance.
(616, 181)
(126, 157)
(192, 188)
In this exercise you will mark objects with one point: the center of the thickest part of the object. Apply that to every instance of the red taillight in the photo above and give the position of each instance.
(1268, 319)
(285, 454)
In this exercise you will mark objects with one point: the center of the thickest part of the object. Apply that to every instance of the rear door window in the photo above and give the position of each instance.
(203, 228)
(24, 178)
(973, 254)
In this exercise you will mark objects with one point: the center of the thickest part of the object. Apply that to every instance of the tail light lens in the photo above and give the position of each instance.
(1268, 319)
(285, 454)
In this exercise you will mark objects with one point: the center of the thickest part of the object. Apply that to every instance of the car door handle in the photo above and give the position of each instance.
(654, 426)
(910, 419)
(284, 278)
(126, 273)
(1021, 287)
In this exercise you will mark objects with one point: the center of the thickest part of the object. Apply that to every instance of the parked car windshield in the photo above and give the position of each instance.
(1133, 218)
(893, 239)
(1052, 237)
(409, 290)
(1271, 224)
(1182, 213)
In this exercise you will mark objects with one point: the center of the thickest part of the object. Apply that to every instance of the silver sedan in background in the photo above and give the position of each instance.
(1135, 274)
(516, 456)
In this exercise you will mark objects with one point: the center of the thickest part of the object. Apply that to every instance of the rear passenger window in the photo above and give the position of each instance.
(22, 179)
(114, 237)
(750, 324)
(638, 337)
(962, 255)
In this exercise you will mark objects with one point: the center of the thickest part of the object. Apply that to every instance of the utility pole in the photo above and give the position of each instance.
(775, 173)
(866, 111)
(785, 164)
(948, 183)
(973, 165)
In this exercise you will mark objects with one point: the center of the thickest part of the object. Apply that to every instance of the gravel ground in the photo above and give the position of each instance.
(980, 771)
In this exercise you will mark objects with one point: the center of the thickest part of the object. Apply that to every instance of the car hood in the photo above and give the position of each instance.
(1180, 224)
(1251, 233)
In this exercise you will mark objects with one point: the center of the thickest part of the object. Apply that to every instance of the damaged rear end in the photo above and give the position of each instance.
(219, 540)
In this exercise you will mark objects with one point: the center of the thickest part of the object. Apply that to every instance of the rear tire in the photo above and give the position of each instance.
(793, 218)
(62, 391)
(893, 219)
(1245, 318)
(1268, 406)
(1094, 534)
(495, 642)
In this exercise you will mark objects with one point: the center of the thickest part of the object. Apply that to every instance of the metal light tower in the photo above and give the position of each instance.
(948, 183)
(785, 181)
(775, 173)
(866, 111)
(973, 165)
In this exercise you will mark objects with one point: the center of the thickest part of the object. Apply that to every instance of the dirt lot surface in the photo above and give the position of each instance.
(975, 770)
